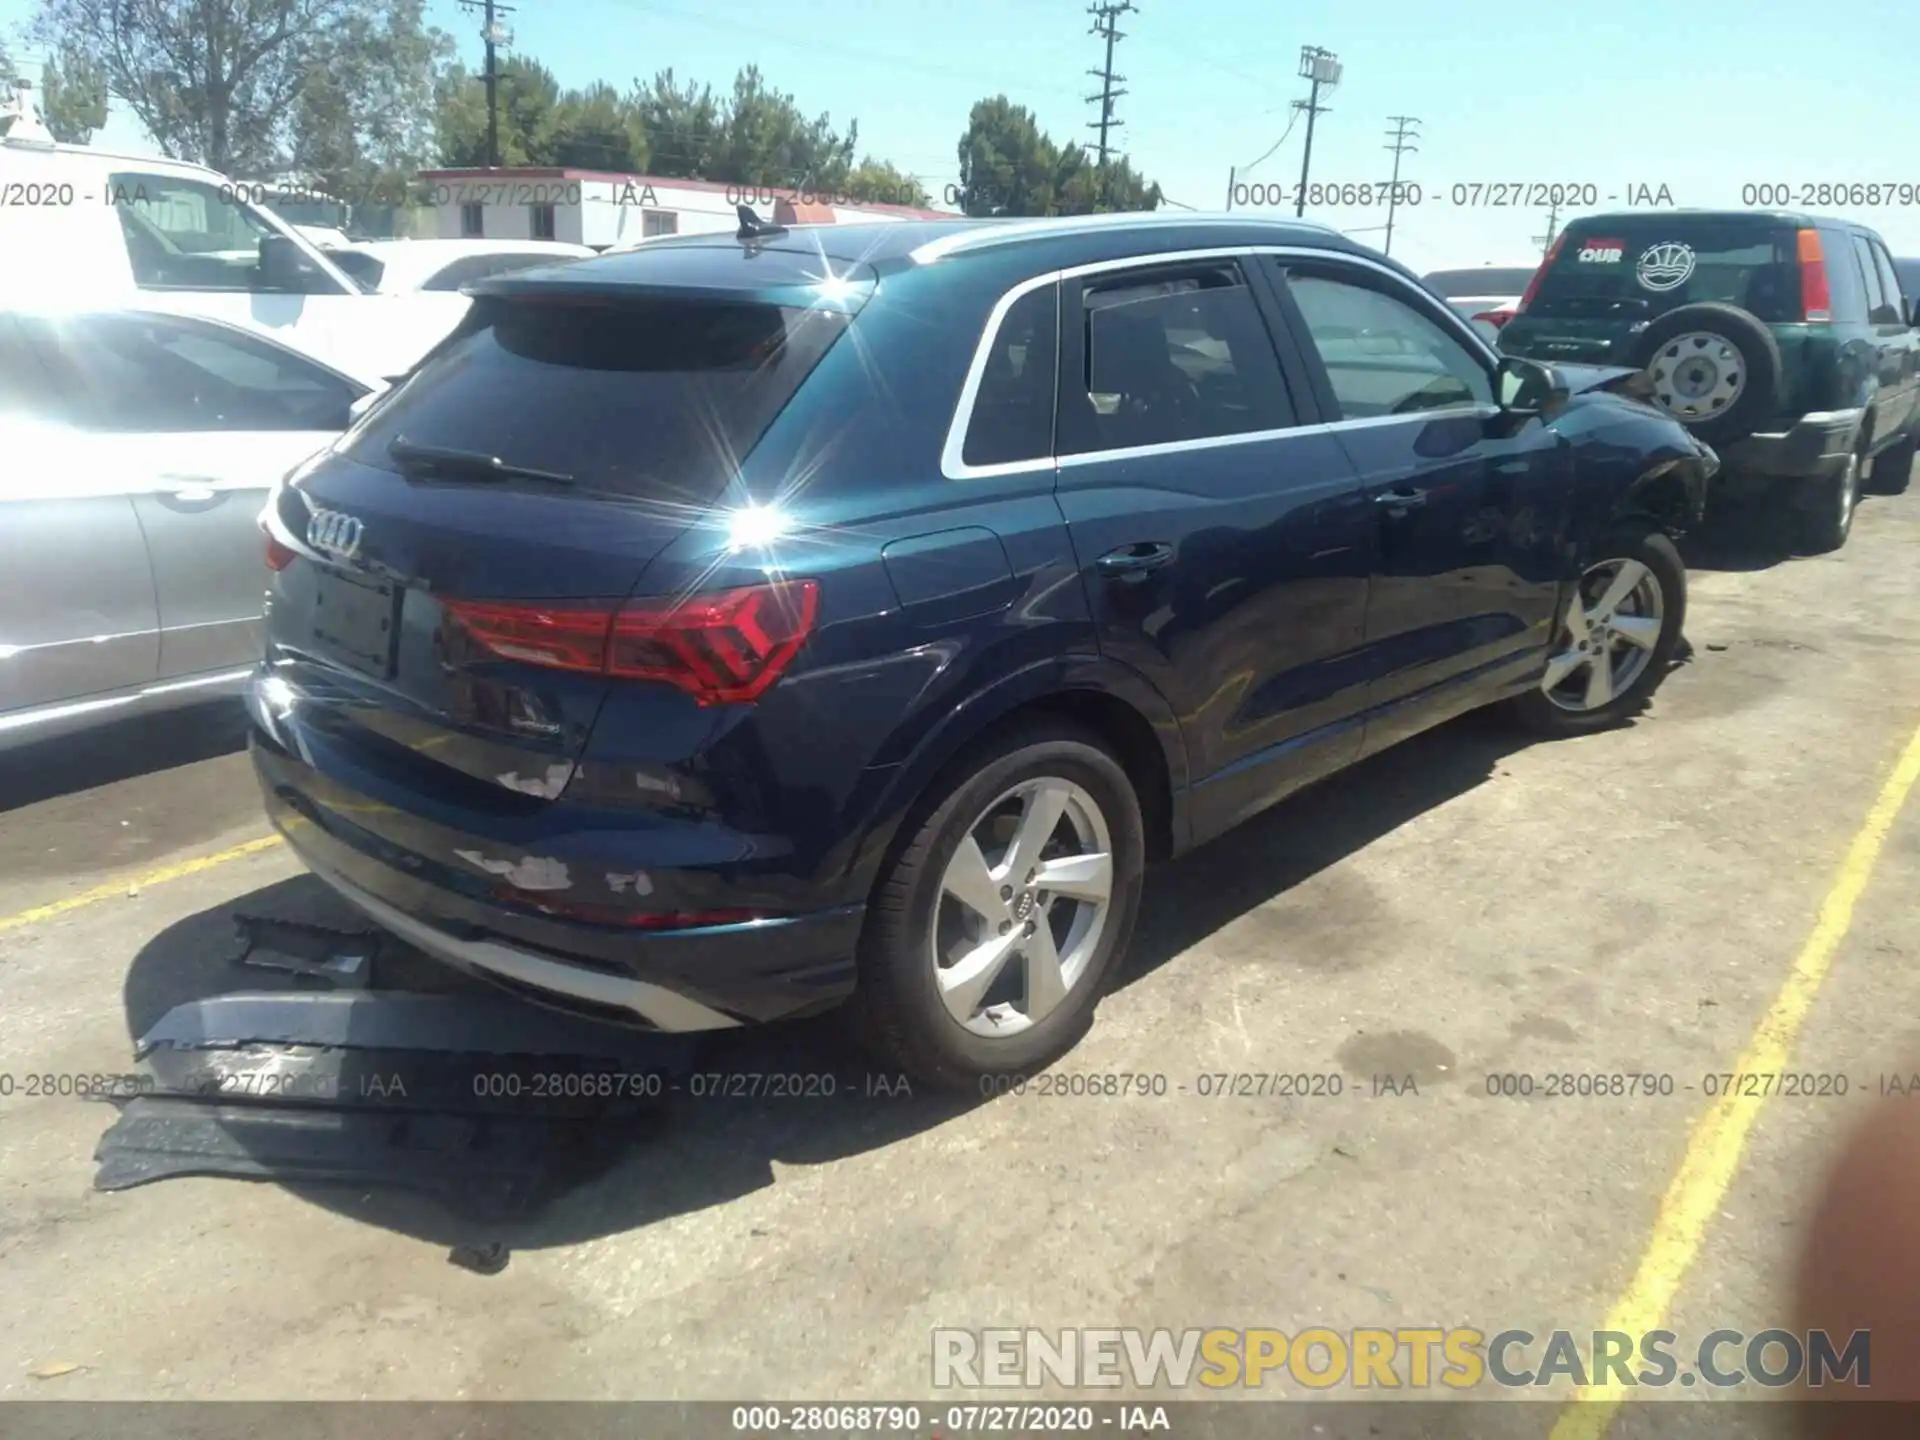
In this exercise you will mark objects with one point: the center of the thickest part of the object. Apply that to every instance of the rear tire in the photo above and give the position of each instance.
(949, 909)
(1632, 633)
(1892, 469)
(1714, 367)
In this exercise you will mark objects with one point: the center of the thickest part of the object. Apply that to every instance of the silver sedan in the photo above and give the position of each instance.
(140, 448)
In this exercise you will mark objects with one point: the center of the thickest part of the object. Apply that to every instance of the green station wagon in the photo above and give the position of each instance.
(1784, 341)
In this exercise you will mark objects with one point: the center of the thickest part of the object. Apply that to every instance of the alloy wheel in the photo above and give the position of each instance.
(1608, 636)
(1022, 907)
(1697, 375)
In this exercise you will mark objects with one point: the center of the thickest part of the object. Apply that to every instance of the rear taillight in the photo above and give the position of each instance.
(726, 648)
(1495, 318)
(1546, 264)
(278, 555)
(1816, 303)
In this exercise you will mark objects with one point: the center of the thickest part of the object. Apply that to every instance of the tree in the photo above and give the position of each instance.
(767, 141)
(757, 136)
(598, 129)
(220, 81)
(529, 101)
(73, 97)
(1010, 166)
(878, 182)
(1007, 166)
(684, 126)
(363, 117)
(1086, 187)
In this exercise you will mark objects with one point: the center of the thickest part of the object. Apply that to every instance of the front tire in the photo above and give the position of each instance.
(1892, 469)
(1616, 639)
(1828, 506)
(993, 931)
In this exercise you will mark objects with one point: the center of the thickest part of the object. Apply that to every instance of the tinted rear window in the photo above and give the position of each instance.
(1488, 280)
(1640, 267)
(654, 398)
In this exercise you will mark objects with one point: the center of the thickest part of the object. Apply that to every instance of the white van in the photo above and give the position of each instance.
(79, 222)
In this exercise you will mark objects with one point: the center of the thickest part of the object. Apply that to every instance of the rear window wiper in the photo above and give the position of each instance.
(473, 463)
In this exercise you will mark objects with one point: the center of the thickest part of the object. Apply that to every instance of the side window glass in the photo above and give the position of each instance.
(1898, 305)
(184, 234)
(1013, 410)
(161, 374)
(1175, 355)
(1879, 309)
(1382, 356)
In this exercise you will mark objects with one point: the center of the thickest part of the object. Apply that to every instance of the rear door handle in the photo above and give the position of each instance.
(1135, 559)
(1401, 499)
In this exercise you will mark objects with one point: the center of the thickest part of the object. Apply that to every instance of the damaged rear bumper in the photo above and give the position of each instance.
(697, 978)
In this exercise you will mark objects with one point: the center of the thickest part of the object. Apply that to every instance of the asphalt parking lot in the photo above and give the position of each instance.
(1470, 904)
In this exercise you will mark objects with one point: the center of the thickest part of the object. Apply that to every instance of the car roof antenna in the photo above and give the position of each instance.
(752, 227)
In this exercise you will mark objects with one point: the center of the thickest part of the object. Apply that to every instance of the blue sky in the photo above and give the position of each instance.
(1701, 99)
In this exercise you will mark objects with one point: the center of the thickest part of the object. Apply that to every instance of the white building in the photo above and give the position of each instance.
(602, 208)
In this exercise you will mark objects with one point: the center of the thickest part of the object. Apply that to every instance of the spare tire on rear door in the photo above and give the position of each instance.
(1715, 369)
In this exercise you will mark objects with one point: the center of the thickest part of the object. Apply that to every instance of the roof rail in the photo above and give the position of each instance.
(998, 232)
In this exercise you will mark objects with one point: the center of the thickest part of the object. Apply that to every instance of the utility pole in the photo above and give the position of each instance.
(1322, 67)
(494, 33)
(1400, 136)
(1545, 241)
(1105, 15)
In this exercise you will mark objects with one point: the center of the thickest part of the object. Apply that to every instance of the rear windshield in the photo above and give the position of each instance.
(1494, 280)
(658, 399)
(1648, 266)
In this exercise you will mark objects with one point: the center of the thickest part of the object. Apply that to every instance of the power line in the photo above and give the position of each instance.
(817, 44)
(1106, 14)
(1400, 145)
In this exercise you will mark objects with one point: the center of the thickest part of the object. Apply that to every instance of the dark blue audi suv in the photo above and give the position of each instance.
(754, 623)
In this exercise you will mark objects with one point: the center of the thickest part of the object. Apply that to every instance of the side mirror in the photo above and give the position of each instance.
(283, 267)
(1526, 387)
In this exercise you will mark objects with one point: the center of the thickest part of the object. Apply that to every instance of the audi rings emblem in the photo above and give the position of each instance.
(334, 533)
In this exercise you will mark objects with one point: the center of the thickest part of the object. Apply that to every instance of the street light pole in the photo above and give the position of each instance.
(1322, 67)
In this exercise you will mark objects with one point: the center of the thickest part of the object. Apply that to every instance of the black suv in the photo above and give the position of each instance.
(721, 630)
(1787, 342)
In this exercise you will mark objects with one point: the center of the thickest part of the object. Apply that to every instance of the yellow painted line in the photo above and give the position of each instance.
(140, 882)
(1713, 1153)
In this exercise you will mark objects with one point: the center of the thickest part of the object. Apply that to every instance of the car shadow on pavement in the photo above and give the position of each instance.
(1208, 889)
(120, 750)
(1742, 538)
(694, 1152)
